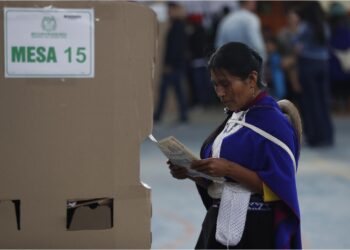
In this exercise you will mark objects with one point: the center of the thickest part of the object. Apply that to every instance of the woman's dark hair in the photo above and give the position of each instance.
(313, 14)
(239, 60)
(214, 134)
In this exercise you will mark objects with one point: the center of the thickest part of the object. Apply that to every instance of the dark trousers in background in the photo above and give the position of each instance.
(172, 79)
(315, 102)
(203, 89)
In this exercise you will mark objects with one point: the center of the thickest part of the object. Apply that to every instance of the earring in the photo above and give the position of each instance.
(253, 92)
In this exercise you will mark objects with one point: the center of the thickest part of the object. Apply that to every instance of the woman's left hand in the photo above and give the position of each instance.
(216, 167)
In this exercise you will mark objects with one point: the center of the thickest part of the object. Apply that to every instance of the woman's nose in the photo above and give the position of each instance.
(220, 92)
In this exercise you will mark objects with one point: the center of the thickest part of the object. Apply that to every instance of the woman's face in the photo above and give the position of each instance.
(232, 91)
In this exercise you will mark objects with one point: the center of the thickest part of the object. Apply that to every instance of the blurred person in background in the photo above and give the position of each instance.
(340, 56)
(259, 168)
(274, 73)
(311, 45)
(289, 61)
(244, 26)
(174, 63)
(216, 20)
(198, 44)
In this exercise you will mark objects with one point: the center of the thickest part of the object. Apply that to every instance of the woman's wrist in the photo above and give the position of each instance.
(245, 176)
(229, 169)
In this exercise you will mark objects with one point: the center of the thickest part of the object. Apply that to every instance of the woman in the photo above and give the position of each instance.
(243, 156)
(311, 47)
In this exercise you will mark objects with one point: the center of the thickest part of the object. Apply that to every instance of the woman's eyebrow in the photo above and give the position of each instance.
(222, 81)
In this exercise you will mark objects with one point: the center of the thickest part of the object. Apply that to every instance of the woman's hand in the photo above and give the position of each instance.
(216, 167)
(219, 167)
(178, 172)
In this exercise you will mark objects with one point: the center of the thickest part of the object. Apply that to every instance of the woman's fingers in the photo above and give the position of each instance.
(174, 167)
(211, 166)
(179, 172)
(171, 165)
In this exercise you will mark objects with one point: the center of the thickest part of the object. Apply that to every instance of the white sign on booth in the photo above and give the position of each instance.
(49, 43)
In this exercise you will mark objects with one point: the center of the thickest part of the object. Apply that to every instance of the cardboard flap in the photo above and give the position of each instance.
(91, 219)
(9, 215)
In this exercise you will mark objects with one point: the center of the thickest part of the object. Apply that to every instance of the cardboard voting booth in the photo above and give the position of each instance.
(75, 104)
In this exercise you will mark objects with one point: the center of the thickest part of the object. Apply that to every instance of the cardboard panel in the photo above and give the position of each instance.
(64, 139)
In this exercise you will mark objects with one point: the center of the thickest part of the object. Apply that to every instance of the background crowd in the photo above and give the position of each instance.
(305, 48)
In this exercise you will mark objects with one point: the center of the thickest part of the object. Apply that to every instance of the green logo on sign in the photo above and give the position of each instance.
(49, 26)
(48, 23)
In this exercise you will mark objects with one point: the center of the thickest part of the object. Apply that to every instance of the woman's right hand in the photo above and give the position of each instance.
(178, 172)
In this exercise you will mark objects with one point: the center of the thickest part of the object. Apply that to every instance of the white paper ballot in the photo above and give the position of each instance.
(180, 155)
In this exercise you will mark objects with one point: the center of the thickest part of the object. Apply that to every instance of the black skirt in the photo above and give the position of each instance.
(258, 232)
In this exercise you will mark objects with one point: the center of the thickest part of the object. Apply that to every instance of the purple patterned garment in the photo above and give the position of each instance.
(272, 163)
